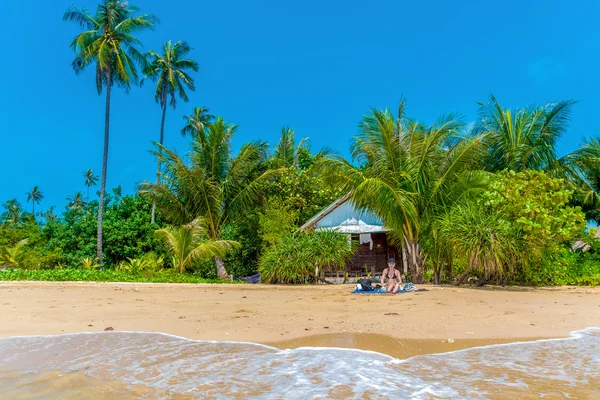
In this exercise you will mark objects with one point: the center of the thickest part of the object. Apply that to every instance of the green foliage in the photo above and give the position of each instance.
(14, 256)
(302, 191)
(537, 205)
(277, 221)
(83, 275)
(243, 228)
(168, 70)
(211, 183)
(487, 243)
(89, 263)
(300, 258)
(108, 42)
(128, 232)
(563, 267)
(190, 243)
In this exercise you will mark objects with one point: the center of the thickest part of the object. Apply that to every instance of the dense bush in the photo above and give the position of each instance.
(301, 258)
(128, 232)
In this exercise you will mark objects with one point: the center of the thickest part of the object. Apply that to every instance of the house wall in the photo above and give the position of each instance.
(375, 260)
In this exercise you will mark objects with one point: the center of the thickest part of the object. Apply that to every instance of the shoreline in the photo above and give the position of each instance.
(300, 316)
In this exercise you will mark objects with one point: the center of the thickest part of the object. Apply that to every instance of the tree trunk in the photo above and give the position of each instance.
(415, 260)
(104, 167)
(221, 271)
(162, 137)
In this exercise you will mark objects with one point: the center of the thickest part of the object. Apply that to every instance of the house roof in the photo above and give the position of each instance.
(323, 213)
(343, 217)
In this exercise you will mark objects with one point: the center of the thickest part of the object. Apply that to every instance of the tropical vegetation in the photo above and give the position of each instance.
(489, 202)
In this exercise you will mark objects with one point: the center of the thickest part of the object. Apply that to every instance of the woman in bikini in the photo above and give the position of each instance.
(392, 275)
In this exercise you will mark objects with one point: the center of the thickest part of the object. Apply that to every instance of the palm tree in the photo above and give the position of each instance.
(90, 180)
(169, 71)
(13, 213)
(76, 201)
(210, 184)
(108, 43)
(286, 152)
(190, 243)
(195, 123)
(35, 196)
(407, 173)
(49, 215)
(522, 139)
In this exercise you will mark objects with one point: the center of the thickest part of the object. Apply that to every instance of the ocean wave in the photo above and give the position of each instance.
(172, 365)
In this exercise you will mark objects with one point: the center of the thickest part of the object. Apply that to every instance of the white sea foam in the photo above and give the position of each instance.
(174, 365)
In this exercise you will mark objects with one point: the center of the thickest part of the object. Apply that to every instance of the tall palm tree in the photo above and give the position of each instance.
(91, 179)
(13, 213)
(211, 183)
(190, 243)
(195, 123)
(522, 139)
(35, 196)
(406, 173)
(108, 43)
(76, 201)
(169, 71)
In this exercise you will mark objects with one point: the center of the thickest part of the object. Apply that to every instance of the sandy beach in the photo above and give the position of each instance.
(300, 315)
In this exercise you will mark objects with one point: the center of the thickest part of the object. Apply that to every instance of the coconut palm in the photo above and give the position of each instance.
(49, 215)
(108, 43)
(286, 151)
(581, 168)
(169, 70)
(195, 123)
(191, 243)
(35, 196)
(76, 201)
(211, 183)
(13, 213)
(91, 179)
(407, 173)
(522, 139)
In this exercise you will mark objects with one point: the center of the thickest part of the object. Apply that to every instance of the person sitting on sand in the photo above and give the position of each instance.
(392, 275)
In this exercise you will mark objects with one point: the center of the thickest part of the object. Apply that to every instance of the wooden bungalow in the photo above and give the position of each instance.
(365, 228)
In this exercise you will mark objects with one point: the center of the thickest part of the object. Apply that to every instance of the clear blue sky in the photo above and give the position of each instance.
(314, 65)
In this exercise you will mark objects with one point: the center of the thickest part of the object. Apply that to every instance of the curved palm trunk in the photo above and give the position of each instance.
(414, 256)
(221, 271)
(104, 167)
(162, 137)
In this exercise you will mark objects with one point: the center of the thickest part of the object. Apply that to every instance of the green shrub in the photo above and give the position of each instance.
(301, 258)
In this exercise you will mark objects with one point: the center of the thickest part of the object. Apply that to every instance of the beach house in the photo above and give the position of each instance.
(364, 227)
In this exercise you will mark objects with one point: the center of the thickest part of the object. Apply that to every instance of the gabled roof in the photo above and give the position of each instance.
(342, 216)
(326, 211)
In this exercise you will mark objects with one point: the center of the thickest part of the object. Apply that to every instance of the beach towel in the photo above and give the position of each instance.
(407, 288)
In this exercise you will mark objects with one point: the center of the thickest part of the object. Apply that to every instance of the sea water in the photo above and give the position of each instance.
(156, 366)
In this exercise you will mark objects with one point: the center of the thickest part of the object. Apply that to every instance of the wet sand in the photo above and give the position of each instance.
(393, 346)
(292, 316)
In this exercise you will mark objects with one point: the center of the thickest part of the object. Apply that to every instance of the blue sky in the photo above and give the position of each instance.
(316, 66)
